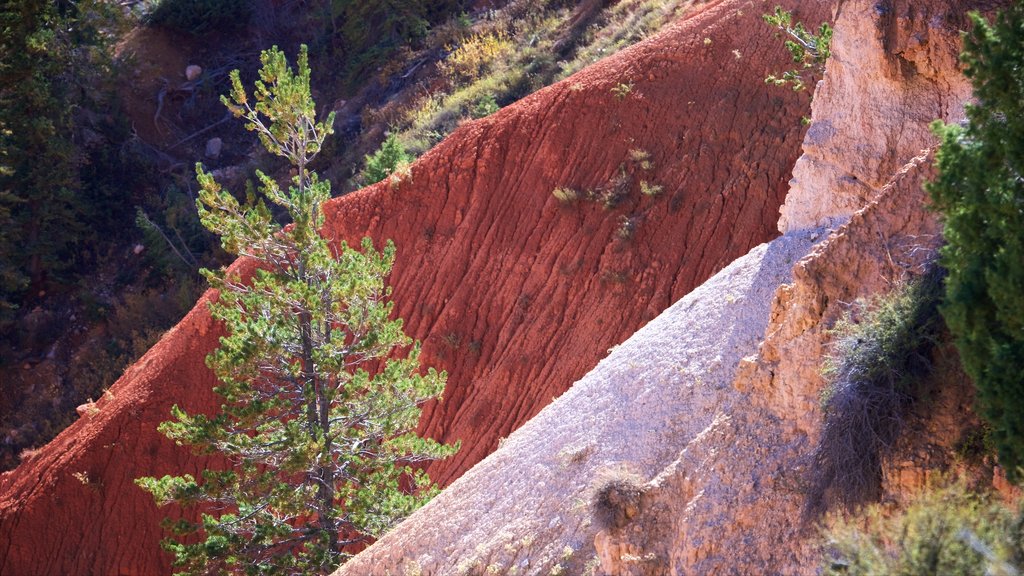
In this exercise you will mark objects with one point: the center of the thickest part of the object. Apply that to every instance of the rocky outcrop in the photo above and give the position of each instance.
(650, 465)
(875, 128)
(888, 242)
(894, 69)
(513, 292)
(678, 454)
(863, 149)
(741, 485)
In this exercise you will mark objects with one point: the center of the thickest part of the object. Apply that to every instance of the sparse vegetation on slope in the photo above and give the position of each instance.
(809, 50)
(880, 360)
(201, 17)
(518, 49)
(949, 530)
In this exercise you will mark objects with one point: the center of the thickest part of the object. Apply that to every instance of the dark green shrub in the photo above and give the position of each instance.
(980, 193)
(386, 160)
(486, 106)
(61, 191)
(880, 358)
(199, 17)
(947, 531)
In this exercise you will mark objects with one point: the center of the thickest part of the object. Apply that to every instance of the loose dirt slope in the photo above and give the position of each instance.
(513, 292)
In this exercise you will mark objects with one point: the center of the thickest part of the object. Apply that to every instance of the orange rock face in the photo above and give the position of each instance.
(514, 292)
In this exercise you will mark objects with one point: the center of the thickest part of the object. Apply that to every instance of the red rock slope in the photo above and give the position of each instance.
(514, 293)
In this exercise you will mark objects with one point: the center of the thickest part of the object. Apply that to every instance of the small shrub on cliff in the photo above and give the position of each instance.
(980, 192)
(321, 388)
(616, 500)
(880, 358)
(809, 50)
(565, 195)
(949, 531)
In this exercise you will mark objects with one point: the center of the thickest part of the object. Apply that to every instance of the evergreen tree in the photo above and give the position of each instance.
(320, 405)
(386, 160)
(980, 191)
(37, 164)
(59, 195)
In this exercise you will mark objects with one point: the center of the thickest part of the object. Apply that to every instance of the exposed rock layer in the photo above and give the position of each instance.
(894, 69)
(515, 294)
(888, 241)
(734, 500)
(724, 468)
(662, 399)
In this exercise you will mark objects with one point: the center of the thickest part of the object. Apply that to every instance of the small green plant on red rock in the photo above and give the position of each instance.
(649, 189)
(565, 195)
(621, 90)
(809, 50)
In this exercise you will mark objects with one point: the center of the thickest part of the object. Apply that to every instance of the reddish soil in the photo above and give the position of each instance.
(516, 294)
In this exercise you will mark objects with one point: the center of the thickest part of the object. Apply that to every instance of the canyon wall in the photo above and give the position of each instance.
(894, 69)
(513, 292)
(650, 465)
(866, 158)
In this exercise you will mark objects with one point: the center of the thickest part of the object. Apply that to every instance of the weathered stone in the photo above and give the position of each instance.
(213, 148)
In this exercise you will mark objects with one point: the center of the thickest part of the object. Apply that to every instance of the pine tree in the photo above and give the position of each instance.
(60, 197)
(980, 191)
(385, 161)
(320, 405)
(37, 163)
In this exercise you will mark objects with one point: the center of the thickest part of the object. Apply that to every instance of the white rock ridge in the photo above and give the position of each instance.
(527, 508)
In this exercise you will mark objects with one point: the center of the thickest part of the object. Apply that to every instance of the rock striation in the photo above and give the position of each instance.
(515, 293)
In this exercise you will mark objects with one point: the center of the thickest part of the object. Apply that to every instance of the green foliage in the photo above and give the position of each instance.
(622, 24)
(486, 106)
(366, 34)
(476, 56)
(879, 362)
(949, 531)
(621, 90)
(200, 17)
(172, 234)
(520, 48)
(385, 161)
(57, 168)
(649, 189)
(809, 50)
(980, 192)
(320, 403)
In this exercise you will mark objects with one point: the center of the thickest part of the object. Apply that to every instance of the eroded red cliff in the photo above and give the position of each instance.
(513, 292)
